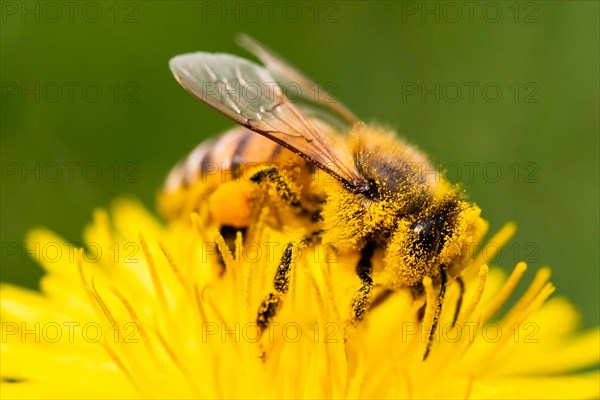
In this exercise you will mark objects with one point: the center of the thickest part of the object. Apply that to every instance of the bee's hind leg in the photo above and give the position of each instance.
(364, 269)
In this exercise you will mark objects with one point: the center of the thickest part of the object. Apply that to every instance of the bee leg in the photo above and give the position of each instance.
(228, 233)
(364, 268)
(438, 311)
(272, 302)
(461, 287)
(282, 187)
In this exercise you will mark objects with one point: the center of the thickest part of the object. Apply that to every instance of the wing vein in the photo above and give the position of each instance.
(227, 84)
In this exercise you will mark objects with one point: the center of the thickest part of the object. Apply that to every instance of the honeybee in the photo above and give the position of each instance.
(384, 197)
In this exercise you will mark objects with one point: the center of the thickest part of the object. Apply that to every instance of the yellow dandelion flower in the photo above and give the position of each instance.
(146, 312)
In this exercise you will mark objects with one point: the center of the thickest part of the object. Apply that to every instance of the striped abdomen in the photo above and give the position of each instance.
(224, 157)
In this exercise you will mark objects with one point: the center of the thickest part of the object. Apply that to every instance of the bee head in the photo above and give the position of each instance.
(443, 235)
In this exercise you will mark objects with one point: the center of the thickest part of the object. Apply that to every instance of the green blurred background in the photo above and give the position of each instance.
(385, 60)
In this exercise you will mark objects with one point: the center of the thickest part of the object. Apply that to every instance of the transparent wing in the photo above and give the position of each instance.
(330, 108)
(250, 96)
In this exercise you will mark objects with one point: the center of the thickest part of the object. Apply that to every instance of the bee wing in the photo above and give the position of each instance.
(248, 94)
(309, 91)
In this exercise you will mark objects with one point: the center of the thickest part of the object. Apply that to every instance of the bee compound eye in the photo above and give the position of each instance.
(368, 189)
(427, 235)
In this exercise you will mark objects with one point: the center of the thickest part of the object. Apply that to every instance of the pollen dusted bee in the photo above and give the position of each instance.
(385, 199)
